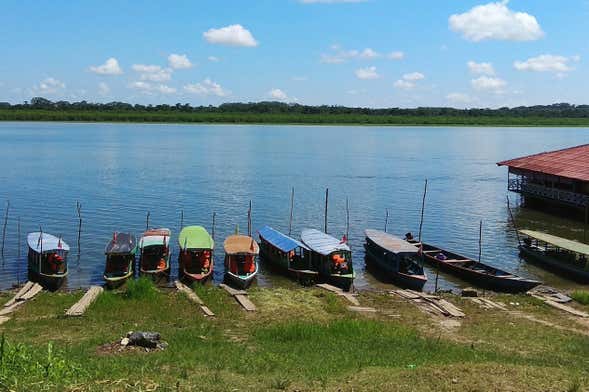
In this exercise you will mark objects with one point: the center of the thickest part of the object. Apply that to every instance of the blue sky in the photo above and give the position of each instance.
(377, 53)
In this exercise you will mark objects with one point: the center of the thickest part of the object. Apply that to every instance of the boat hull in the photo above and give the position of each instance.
(191, 278)
(554, 265)
(160, 276)
(51, 283)
(240, 281)
(303, 276)
(343, 281)
(413, 282)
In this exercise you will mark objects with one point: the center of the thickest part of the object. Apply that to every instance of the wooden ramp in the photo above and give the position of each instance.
(430, 302)
(194, 298)
(26, 293)
(240, 296)
(80, 307)
(486, 303)
(336, 290)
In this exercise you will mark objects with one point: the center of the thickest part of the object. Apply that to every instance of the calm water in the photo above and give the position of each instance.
(119, 172)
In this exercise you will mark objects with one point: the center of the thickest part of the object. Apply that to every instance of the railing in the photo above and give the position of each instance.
(524, 187)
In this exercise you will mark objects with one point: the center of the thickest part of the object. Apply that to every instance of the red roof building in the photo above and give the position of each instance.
(560, 176)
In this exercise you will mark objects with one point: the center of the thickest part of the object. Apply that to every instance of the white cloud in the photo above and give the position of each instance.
(367, 73)
(153, 73)
(330, 1)
(49, 86)
(404, 84)
(459, 98)
(407, 81)
(145, 68)
(396, 55)
(213, 59)
(546, 63)
(368, 54)
(339, 55)
(233, 35)
(149, 88)
(495, 21)
(179, 61)
(414, 76)
(110, 67)
(206, 87)
(278, 94)
(103, 89)
(481, 68)
(489, 84)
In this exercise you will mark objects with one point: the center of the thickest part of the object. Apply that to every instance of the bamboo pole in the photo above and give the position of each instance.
(386, 219)
(249, 220)
(181, 219)
(4, 228)
(347, 220)
(147, 222)
(291, 211)
(586, 222)
(18, 252)
(513, 222)
(79, 210)
(325, 216)
(480, 241)
(213, 228)
(422, 209)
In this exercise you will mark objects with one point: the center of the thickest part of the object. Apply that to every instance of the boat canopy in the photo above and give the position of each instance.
(559, 242)
(322, 243)
(121, 243)
(241, 244)
(389, 242)
(155, 237)
(195, 237)
(279, 240)
(47, 242)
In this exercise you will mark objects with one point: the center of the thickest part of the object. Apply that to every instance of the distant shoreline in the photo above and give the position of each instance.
(286, 119)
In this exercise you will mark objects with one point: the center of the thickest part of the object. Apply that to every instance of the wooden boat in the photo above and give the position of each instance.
(560, 255)
(241, 264)
(396, 257)
(332, 257)
(47, 259)
(195, 260)
(479, 274)
(287, 254)
(154, 258)
(120, 258)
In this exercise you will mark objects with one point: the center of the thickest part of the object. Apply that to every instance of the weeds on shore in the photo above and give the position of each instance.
(581, 296)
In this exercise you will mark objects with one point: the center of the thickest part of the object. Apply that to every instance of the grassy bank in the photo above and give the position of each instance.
(299, 339)
(284, 118)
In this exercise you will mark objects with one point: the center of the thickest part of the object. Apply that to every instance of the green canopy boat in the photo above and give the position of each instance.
(195, 260)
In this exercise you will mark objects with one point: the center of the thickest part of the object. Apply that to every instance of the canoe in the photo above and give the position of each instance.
(565, 257)
(286, 254)
(154, 256)
(195, 261)
(479, 274)
(47, 259)
(332, 257)
(241, 264)
(396, 257)
(120, 258)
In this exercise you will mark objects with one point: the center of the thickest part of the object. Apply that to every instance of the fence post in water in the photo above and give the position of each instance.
(147, 221)
(79, 210)
(291, 211)
(213, 228)
(4, 229)
(249, 220)
(18, 251)
(386, 219)
(181, 219)
(480, 240)
(422, 209)
(326, 203)
(347, 220)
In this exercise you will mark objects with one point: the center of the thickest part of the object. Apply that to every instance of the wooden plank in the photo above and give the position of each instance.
(452, 309)
(208, 312)
(351, 298)
(331, 288)
(245, 302)
(406, 294)
(494, 304)
(189, 293)
(80, 307)
(23, 290)
(231, 290)
(362, 309)
(4, 319)
(562, 307)
(35, 289)
(11, 308)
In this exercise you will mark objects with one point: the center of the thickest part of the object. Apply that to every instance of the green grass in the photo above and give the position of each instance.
(299, 339)
(581, 296)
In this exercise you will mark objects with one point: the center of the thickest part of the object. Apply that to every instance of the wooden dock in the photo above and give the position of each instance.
(336, 290)
(194, 298)
(26, 293)
(80, 307)
(430, 302)
(240, 296)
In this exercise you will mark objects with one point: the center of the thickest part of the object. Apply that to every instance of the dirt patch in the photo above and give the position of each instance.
(118, 348)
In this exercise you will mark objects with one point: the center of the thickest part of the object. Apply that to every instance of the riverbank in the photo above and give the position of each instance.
(287, 118)
(298, 339)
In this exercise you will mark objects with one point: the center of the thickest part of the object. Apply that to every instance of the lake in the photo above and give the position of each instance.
(119, 172)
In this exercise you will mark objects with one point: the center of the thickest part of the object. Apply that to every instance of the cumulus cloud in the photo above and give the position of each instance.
(546, 63)
(277, 94)
(49, 86)
(206, 87)
(414, 76)
(233, 35)
(300, 78)
(145, 68)
(179, 61)
(368, 53)
(338, 55)
(153, 73)
(396, 55)
(110, 67)
(480, 68)
(407, 81)
(459, 98)
(149, 88)
(103, 89)
(489, 84)
(404, 84)
(495, 21)
(213, 59)
(367, 73)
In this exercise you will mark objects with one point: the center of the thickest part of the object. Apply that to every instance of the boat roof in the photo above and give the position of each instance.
(322, 243)
(390, 242)
(195, 237)
(154, 237)
(48, 242)
(235, 244)
(559, 242)
(121, 243)
(279, 240)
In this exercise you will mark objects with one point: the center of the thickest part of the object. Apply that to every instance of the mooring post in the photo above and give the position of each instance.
(422, 209)
(326, 203)
(347, 220)
(181, 219)
(213, 228)
(386, 219)
(480, 240)
(147, 222)
(249, 220)
(586, 222)
(18, 251)
(291, 211)
(4, 228)
(79, 210)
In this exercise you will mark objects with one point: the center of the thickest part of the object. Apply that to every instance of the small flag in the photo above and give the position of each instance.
(344, 240)
(59, 243)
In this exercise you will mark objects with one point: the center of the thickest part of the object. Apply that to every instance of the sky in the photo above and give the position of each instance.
(369, 53)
